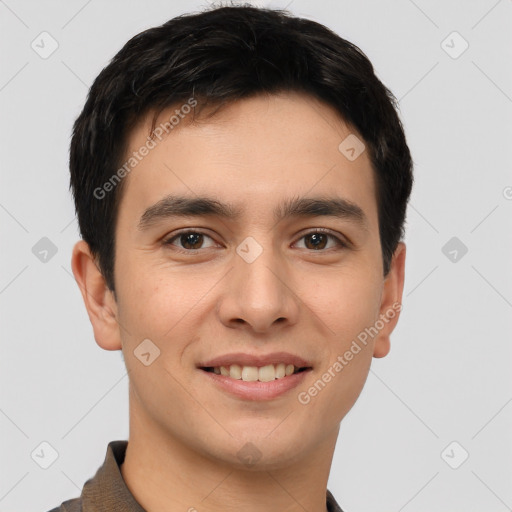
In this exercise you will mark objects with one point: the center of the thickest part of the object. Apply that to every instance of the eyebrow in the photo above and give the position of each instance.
(179, 206)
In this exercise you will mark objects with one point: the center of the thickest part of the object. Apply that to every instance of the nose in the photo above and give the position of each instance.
(258, 295)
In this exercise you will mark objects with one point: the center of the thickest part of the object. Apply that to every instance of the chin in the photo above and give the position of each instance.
(260, 452)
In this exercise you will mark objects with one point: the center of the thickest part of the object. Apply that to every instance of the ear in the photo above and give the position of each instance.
(98, 298)
(391, 301)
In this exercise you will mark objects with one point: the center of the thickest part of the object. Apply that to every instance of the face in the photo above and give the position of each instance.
(279, 265)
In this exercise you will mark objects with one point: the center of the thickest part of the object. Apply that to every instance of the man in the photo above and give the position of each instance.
(241, 180)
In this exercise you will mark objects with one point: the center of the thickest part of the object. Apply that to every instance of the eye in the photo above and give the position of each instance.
(189, 240)
(193, 240)
(318, 240)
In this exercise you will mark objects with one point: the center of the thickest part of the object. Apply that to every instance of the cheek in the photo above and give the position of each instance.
(148, 306)
(159, 301)
(346, 302)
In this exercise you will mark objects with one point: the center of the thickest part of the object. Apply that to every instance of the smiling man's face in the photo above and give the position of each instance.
(260, 274)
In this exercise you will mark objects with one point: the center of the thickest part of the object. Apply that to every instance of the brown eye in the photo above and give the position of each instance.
(319, 240)
(189, 240)
(316, 241)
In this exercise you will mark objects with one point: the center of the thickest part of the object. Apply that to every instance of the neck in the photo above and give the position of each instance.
(164, 474)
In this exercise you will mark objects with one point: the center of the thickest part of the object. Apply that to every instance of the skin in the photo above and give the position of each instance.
(184, 432)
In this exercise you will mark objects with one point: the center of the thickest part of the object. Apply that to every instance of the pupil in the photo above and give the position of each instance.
(317, 239)
(191, 239)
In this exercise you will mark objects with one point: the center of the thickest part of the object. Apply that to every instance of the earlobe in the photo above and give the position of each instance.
(382, 346)
(98, 298)
(391, 302)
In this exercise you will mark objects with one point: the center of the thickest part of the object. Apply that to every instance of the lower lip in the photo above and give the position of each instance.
(257, 390)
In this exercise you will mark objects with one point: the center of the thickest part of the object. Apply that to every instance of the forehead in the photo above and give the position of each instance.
(249, 153)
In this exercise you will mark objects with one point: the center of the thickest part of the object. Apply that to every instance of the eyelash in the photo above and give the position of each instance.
(168, 242)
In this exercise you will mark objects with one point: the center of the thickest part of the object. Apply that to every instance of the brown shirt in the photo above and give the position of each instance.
(106, 490)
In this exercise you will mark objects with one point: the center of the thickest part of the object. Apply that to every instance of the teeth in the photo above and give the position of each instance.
(266, 373)
(250, 373)
(235, 371)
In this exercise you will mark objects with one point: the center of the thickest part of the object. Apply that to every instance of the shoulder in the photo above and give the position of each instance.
(74, 505)
(332, 504)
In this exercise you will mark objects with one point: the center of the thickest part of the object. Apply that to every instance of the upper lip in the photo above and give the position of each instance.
(244, 359)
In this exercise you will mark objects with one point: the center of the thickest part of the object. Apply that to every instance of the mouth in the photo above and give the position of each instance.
(267, 373)
(256, 376)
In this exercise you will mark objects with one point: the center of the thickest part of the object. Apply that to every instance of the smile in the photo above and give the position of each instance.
(265, 373)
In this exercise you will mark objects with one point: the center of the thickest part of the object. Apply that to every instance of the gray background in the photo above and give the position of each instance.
(447, 377)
